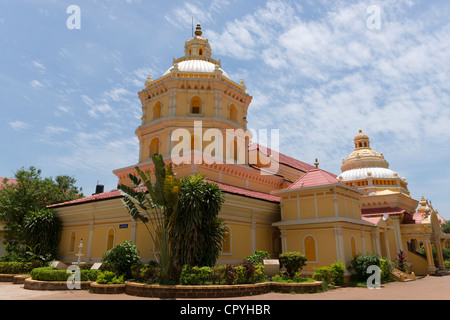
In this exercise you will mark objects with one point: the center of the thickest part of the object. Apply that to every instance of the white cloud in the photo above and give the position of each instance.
(36, 84)
(38, 66)
(18, 125)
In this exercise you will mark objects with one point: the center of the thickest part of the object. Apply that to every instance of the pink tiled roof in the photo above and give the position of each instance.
(373, 220)
(284, 159)
(314, 178)
(96, 197)
(246, 192)
(10, 181)
(225, 187)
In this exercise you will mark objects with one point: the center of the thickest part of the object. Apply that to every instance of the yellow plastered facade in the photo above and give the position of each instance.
(324, 221)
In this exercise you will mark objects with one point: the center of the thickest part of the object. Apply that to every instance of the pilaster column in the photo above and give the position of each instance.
(253, 234)
(339, 243)
(283, 240)
(376, 241)
(133, 232)
(397, 233)
(440, 260)
(91, 234)
(429, 253)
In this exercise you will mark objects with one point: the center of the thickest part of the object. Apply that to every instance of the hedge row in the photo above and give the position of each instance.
(51, 274)
(18, 267)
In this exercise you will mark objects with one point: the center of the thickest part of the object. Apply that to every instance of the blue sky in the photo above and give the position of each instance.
(316, 71)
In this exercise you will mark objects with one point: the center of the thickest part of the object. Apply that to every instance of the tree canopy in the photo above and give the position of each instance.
(30, 192)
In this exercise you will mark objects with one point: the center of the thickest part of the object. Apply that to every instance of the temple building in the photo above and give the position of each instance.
(195, 115)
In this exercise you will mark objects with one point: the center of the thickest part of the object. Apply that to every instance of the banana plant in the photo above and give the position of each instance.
(156, 205)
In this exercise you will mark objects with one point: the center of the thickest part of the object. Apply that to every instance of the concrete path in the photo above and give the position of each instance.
(428, 288)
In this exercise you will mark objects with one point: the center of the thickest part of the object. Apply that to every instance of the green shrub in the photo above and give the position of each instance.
(360, 264)
(19, 267)
(108, 277)
(51, 274)
(149, 274)
(258, 257)
(386, 267)
(121, 258)
(194, 275)
(447, 264)
(293, 262)
(297, 278)
(324, 274)
(337, 273)
(258, 275)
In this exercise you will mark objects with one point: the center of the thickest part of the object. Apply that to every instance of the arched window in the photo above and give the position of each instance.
(309, 243)
(157, 110)
(226, 245)
(110, 239)
(154, 147)
(72, 241)
(235, 150)
(195, 105)
(233, 113)
(353, 246)
(200, 52)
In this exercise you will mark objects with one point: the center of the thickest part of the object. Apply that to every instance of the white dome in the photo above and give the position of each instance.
(364, 173)
(197, 66)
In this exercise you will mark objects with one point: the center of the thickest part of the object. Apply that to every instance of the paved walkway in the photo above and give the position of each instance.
(428, 288)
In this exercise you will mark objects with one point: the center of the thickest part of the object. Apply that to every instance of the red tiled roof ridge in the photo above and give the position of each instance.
(225, 187)
(245, 192)
(95, 197)
(315, 177)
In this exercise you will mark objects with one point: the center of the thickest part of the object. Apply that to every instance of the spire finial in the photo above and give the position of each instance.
(198, 30)
(316, 164)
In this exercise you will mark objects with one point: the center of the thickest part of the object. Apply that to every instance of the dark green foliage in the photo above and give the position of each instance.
(246, 273)
(18, 267)
(359, 265)
(258, 257)
(43, 231)
(156, 205)
(121, 258)
(149, 274)
(446, 227)
(31, 193)
(196, 235)
(293, 262)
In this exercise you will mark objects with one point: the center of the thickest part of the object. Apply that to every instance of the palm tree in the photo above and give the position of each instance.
(156, 205)
(197, 233)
